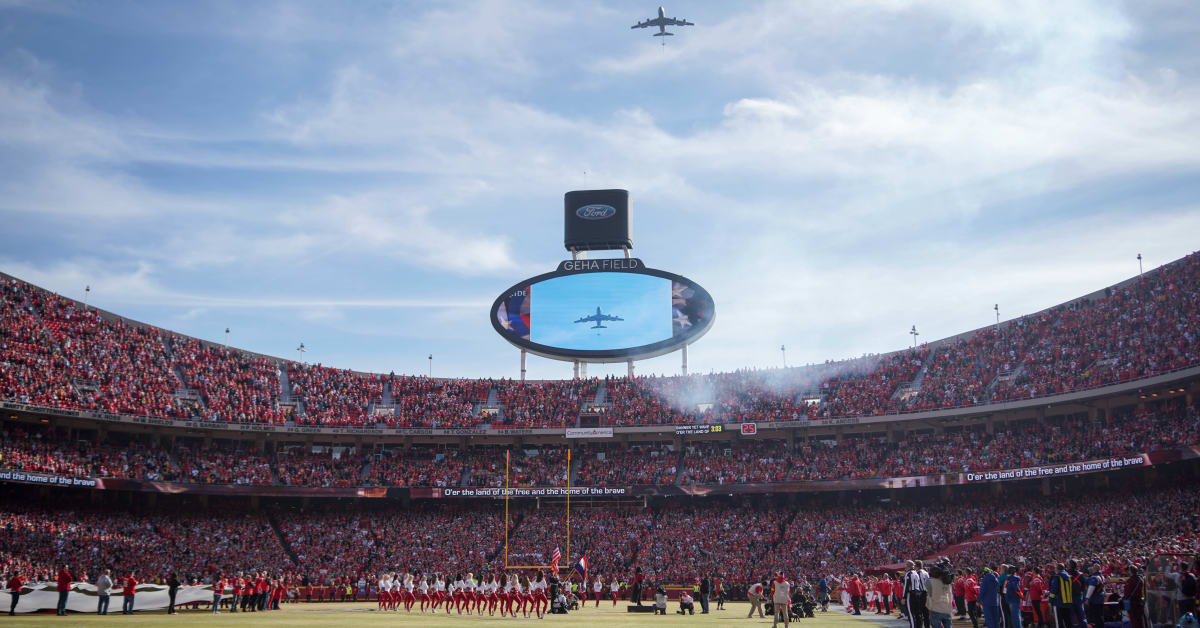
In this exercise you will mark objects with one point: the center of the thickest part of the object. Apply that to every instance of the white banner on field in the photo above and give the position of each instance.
(589, 432)
(83, 598)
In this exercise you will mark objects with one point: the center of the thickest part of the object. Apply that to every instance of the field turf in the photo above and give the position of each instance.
(352, 615)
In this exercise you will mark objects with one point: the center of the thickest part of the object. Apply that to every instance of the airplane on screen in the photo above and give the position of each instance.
(662, 22)
(598, 318)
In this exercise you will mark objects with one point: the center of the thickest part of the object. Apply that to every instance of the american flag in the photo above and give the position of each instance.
(554, 561)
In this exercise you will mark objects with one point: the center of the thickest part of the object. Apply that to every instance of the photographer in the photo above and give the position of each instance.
(756, 593)
(686, 605)
(941, 598)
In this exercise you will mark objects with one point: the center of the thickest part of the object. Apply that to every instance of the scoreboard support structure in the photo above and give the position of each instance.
(601, 220)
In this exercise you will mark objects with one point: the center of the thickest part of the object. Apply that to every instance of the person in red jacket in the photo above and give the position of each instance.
(261, 587)
(971, 593)
(248, 592)
(857, 591)
(127, 594)
(1037, 592)
(239, 583)
(959, 590)
(15, 583)
(883, 591)
(64, 588)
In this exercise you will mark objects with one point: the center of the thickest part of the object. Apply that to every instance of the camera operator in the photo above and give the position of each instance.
(686, 604)
(756, 593)
(941, 598)
(916, 591)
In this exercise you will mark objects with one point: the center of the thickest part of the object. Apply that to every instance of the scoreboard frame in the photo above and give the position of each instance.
(630, 265)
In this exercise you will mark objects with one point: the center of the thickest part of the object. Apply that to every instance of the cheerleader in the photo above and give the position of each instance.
(521, 593)
(393, 591)
(537, 593)
(383, 585)
(423, 592)
(598, 588)
(470, 592)
(506, 598)
(439, 593)
(409, 598)
(614, 588)
(493, 598)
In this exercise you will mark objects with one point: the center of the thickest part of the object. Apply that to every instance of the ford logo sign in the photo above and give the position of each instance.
(596, 212)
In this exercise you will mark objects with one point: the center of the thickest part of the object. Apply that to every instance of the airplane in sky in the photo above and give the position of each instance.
(598, 318)
(662, 22)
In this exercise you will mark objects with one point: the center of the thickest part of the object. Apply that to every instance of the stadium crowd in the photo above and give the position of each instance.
(1162, 425)
(56, 352)
(741, 540)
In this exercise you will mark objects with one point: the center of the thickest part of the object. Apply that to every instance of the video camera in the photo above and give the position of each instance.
(943, 570)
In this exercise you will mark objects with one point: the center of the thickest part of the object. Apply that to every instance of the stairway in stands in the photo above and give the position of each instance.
(915, 384)
(282, 538)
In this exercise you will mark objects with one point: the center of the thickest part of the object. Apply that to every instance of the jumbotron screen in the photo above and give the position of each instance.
(597, 314)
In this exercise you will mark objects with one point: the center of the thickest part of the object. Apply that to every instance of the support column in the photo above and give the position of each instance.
(522, 366)
(684, 367)
(630, 372)
(576, 373)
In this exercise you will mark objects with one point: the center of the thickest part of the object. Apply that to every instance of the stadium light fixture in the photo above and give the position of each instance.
(301, 350)
(914, 333)
(86, 290)
(1139, 264)
(431, 365)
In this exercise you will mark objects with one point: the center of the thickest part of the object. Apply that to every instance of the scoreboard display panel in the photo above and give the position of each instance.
(603, 310)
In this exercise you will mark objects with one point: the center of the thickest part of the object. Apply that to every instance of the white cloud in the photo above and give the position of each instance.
(828, 186)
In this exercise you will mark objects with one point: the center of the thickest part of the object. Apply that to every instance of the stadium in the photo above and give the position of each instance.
(1038, 470)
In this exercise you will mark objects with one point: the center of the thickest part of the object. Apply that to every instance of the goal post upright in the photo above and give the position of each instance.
(568, 507)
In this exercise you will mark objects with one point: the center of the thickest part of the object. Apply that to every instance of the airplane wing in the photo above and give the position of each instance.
(658, 21)
(585, 319)
(675, 22)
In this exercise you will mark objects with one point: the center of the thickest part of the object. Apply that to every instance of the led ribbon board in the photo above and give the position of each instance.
(603, 310)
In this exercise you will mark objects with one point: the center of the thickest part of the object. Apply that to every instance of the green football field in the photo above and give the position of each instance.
(363, 614)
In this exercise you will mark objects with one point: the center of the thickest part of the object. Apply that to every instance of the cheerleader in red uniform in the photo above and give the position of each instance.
(506, 596)
(493, 597)
(521, 592)
(423, 592)
(537, 594)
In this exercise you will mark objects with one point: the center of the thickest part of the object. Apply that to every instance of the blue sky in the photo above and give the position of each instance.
(643, 302)
(367, 177)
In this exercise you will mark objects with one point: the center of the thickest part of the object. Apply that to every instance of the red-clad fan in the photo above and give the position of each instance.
(239, 585)
(1036, 593)
(971, 593)
(15, 583)
(883, 596)
(959, 590)
(128, 592)
(249, 590)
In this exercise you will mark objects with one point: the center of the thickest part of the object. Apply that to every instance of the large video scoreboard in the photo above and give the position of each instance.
(604, 310)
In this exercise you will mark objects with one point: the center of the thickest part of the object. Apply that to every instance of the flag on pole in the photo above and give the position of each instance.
(554, 561)
(581, 565)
